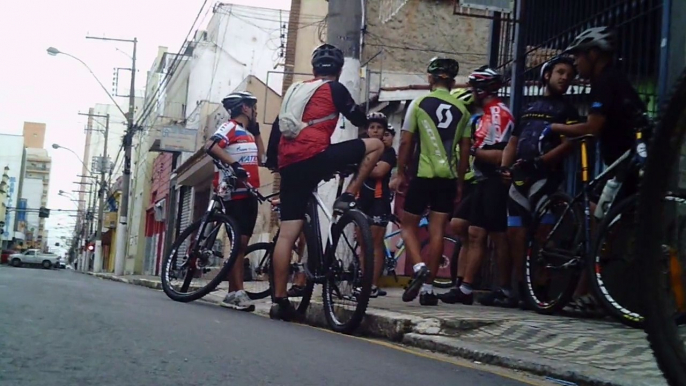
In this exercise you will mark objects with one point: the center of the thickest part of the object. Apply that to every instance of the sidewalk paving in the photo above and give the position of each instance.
(584, 351)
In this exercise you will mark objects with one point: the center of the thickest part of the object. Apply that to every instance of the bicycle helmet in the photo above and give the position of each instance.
(391, 130)
(379, 118)
(443, 67)
(550, 65)
(236, 100)
(485, 80)
(463, 94)
(602, 38)
(328, 58)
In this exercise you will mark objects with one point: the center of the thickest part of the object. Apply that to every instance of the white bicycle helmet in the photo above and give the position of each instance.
(602, 38)
(378, 117)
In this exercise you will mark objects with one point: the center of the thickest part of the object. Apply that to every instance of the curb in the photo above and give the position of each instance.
(441, 336)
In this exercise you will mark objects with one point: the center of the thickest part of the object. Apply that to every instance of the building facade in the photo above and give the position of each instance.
(12, 156)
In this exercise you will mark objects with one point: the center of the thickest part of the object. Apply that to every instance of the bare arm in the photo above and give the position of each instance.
(463, 165)
(214, 150)
(510, 152)
(558, 153)
(260, 149)
(592, 126)
(404, 150)
(380, 170)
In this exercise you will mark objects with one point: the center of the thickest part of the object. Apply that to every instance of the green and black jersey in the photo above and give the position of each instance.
(439, 121)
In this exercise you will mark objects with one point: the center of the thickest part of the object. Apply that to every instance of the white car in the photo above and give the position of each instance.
(32, 257)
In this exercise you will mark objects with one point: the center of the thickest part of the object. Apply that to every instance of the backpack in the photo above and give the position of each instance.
(293, 107)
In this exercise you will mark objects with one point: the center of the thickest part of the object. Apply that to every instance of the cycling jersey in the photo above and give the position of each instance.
(534, 119)
(330, 98)
(440, 121)
(469, 176)
(492, 132)
(613, 97)
(240, 144)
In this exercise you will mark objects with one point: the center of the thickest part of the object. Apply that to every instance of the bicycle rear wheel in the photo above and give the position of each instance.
(663, 160)
(346, 278)
(550, 280)
(612, 264)
(214, 260)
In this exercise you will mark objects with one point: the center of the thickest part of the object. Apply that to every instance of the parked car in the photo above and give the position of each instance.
(4, 258)
(33, 257)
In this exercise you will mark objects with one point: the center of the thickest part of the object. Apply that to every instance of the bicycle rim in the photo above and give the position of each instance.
(617, 291)
(346, 278)
(539, 284)
(664, 153)
(172, 263)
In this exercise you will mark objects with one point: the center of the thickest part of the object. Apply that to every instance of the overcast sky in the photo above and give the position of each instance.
(53, 89)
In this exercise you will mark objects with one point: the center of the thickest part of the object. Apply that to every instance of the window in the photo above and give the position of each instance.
(30, 253)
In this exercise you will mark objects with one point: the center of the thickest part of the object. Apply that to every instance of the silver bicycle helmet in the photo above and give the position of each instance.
(602, 38)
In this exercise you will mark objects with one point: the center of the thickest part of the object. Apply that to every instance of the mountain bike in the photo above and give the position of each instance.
(341, 274)
(560, 241)
(451, 244)
(194, 253)
(661, 252)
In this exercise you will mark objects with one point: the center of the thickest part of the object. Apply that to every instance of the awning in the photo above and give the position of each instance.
(196, 170)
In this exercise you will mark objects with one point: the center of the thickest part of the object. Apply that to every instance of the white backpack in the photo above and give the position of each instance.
(293, 107)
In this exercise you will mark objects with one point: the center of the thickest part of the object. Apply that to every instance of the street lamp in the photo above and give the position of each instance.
(52, 51)
(56, 146)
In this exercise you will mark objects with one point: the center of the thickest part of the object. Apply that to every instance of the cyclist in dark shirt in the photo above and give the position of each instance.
(534, 166)
(374, 198)
(613, 115)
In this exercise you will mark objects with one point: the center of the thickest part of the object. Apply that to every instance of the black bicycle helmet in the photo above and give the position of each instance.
(379, 118)
(602, 38)
(443, 67)
(328, 58)
(550, 65)
(485, 80)
(237, 99)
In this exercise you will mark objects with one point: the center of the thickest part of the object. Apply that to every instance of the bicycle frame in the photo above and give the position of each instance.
(391, 259)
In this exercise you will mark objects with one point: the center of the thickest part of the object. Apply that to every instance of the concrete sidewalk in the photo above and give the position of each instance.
(583, 351)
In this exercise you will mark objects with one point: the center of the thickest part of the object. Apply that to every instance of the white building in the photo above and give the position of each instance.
(12, 154)
(34, 195)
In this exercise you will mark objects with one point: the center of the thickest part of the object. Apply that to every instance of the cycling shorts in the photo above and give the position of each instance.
(377, 209)
(437, 194)
(489, 205)
(464, 208)
(299, 179)
(244, 211)
(524, 201)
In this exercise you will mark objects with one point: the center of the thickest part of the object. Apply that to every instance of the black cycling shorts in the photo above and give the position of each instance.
(298, 180)
(464, 208)
(524, 201)
(377, 209)
(489, 205)
(244, 211)
(437, 194)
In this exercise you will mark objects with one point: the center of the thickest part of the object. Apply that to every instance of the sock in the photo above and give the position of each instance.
(418, 266)
(459, 281)
(466, 288)
(507, 292)
(427, 289)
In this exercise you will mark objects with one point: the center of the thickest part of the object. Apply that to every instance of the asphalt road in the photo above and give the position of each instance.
(65, 328)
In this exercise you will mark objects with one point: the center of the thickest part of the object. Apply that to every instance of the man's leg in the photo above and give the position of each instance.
(378, 233)
(288, 233)
(237, 271)
(461, 229)
(299, 279)
(415, 202)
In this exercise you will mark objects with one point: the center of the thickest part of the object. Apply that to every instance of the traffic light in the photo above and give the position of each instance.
(43, 212)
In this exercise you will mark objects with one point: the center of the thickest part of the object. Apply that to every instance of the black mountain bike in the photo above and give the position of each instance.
(661, 203)
(561, 243)
(338, 270)
(200, 253)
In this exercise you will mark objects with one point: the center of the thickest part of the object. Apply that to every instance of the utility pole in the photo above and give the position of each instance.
(122, 226)
(103, 167)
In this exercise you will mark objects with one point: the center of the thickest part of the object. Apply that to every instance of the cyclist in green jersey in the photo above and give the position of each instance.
(460, 216)
(438, 121)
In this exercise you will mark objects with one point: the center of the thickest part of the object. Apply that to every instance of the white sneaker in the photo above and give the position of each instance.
(238, 300)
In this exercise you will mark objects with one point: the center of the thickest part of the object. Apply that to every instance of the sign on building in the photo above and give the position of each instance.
(178, 138)
(504, 6)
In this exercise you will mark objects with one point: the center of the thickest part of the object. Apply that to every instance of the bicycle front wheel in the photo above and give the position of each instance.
(346, 279)
(209, 262)
(612, 264)
(664, 156)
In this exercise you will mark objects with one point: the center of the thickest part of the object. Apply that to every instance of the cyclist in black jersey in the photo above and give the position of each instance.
(533, 165)
(613, 115)
(374, 198)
